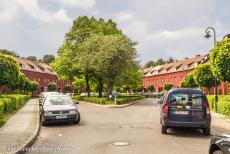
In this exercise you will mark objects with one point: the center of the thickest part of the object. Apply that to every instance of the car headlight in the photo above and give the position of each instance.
(72, 111)
(48, 113)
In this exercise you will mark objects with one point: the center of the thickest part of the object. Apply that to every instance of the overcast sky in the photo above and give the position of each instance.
(163, 28)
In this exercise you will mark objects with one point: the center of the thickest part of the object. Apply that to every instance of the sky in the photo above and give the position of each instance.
(162, 28)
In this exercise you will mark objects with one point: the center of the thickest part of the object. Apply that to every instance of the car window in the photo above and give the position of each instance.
(194, 100)
(58, 100)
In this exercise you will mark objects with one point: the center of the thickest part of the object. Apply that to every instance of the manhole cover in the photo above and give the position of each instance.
(120, 143)
(126, 126)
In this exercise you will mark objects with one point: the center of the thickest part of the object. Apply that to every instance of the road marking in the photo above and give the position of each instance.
(59, 135)
(120, 143)
(126, 126)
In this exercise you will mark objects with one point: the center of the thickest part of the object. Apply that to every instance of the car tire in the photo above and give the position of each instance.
(206, 131)
(77, 121)
(163, 129)
(217, 152)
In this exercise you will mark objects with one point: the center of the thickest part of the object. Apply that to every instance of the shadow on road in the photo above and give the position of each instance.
(187, 133)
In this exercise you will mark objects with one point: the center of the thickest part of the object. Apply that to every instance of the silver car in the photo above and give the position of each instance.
(58, 108)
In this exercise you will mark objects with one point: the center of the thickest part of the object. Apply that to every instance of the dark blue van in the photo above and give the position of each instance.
(185, 108)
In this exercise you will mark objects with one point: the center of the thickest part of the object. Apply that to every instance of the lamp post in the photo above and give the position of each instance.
(208, 35)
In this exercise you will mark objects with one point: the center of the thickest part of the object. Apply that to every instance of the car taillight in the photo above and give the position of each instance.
(165, 111)
(166, 107)
(208, 113)
(207, 108)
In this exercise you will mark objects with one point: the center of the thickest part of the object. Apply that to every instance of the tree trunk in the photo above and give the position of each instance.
(100, 87)
(209, 91)
(87, 84)
(110, 87)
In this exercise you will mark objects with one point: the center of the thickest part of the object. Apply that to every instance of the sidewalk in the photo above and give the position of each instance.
(220, 124)
(20, 130)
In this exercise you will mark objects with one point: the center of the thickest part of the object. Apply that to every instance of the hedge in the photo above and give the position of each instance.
(223, 104)
(120, 100)
(9, 103)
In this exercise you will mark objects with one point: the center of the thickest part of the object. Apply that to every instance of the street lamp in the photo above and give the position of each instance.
(208, 35)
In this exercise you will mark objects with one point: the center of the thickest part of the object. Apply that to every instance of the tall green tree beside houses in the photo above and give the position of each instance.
(220, 60)
(69, 54)
(204, 76)
(189, 81)
(9, 71)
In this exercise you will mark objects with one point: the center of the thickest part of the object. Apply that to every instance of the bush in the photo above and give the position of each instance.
(103, 101)
(52, 86)
(223, 104)
(9, 103)
(168, 86)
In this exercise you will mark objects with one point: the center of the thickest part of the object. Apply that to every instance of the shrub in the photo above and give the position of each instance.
(9, 103)
(52, 86)
(103, 101)
(223, 104)
(168, 86)
(150, 87)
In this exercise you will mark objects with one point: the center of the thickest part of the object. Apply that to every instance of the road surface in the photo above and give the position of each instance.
(100, 127)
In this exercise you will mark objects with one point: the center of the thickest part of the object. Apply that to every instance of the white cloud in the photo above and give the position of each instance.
(85, 4)
(13, 9)
(124, 17)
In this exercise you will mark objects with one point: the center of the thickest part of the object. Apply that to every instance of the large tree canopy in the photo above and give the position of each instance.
(9, 71)
(48, 59)
(220, 60)
(74, 59)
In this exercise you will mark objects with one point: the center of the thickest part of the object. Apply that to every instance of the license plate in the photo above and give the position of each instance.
(181, 112)
(61, 117)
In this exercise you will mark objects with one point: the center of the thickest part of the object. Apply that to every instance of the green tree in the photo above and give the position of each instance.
(116, 55)
(9, 71)
(7, 52)
(189, 81)
(21, 81)
(67, 64)
(48, 59)
(52, 86)
(32, 58)
(203, 76)
(79, 84)
(33, 87)
(220, 60)
(150, 63)
(168, 86)
(150, 87)
(131, 78)
(68, 88)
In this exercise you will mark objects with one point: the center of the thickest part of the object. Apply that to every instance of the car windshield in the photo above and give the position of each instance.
(183, 99)
(58, 100)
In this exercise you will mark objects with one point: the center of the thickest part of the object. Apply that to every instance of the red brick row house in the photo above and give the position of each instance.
(175, 72)
(42, 73)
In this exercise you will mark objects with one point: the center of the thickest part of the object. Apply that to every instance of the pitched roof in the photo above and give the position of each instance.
(35, 66)
(177, 66)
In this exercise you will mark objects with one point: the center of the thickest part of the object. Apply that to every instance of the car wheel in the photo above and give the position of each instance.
(217, 152)
(77, 121)
(163, 129)
(206, 131)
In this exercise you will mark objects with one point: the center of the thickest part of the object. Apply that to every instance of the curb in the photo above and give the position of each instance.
(112, 106)
(33, 138)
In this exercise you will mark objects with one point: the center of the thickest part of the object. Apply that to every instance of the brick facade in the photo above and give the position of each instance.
(42, 73)
(175, 72)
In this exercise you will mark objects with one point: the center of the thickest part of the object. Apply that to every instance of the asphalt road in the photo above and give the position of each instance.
(100, 126)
